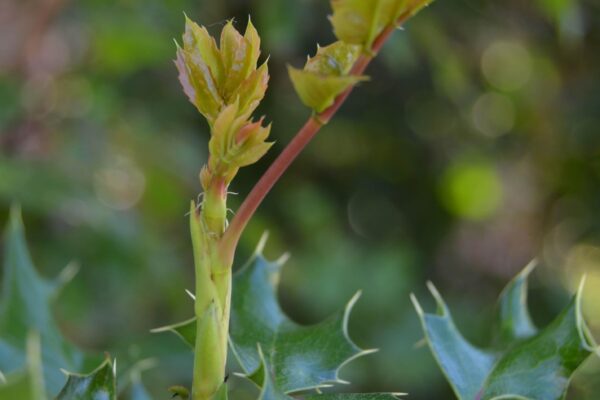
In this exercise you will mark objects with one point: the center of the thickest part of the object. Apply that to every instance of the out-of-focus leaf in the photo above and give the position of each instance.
(25, 305)
(360, 22)
(100, 384)
(27, 384)
(529, 365)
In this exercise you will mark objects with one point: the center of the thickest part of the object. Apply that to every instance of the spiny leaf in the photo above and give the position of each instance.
(301, 357)
(100, 384)
(25, 306)
(354, 396)
(513, 315)
(27, 384)
(264, 379)
(528, 365)
(280, 356)
(186, 330)
(326, 75)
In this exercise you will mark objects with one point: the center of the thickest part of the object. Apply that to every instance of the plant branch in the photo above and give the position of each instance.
(298, 143)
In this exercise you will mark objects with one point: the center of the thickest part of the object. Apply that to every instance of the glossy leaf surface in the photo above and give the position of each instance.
(100, 384)
(528, 364)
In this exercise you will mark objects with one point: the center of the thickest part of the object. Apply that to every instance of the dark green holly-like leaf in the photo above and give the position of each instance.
(529, 364)
(25, 305)
(264, 379)
(277, 354)
(300, 357)
(100, 384)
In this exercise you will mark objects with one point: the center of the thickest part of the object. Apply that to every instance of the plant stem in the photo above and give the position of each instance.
(289, 154)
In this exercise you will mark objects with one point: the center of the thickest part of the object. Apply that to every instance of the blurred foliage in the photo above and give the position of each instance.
(474, 148)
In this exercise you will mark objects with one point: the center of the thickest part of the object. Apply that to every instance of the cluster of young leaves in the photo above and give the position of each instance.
(226, 84)
(357, 24)
(34, 356)
(525, 363)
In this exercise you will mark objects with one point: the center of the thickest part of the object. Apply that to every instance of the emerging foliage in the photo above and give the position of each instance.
(361, 22)
(526, 364)
(326, 75)
(215, 77)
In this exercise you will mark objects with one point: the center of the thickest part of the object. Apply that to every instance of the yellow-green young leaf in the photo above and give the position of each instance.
(325, 76)
(215, 77)
(198, 42)
(237, 55)
(235, 143)
(198, 84)
(336, 59)
(360, 22)
(319, 91)
(253, 89)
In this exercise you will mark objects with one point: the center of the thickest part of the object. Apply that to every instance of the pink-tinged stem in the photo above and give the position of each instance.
(289, 154)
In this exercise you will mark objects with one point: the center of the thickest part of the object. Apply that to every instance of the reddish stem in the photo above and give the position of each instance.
(289, 154)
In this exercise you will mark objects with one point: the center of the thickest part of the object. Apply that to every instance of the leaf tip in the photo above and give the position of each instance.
(348, 310)
(68, 273)
(283, 259)
(529, 268)
(261, 243)
(417, 305)
(442, 309)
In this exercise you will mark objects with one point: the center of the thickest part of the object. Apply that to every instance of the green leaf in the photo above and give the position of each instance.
(215, 77)
(528, 364)
(25, 306)
(360, 22)
(100, 384)
(27, 384)
(300, 357)
(185, 330)
(513, 315)
(264, 379)
(326, 75)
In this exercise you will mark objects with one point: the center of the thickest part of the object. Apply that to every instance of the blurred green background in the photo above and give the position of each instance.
(474, 148)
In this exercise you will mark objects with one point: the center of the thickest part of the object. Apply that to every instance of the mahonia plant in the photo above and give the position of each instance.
(226, 84)
(284, 359)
